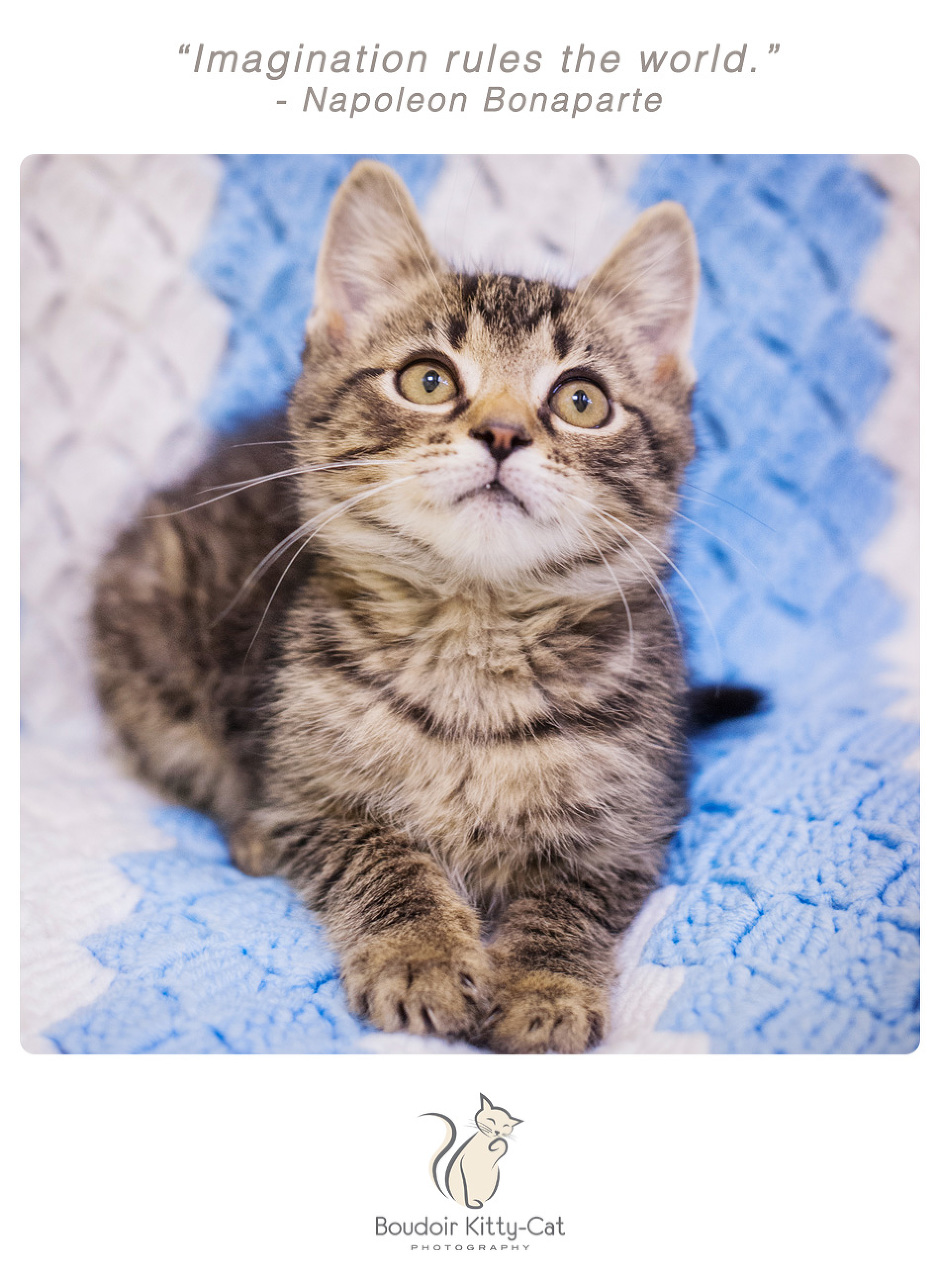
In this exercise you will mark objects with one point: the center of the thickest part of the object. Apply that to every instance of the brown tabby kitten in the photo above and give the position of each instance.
(460, 715)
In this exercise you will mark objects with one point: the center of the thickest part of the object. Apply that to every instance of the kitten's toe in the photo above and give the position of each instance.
(540, 1012)
(250, 849)
(420, 988)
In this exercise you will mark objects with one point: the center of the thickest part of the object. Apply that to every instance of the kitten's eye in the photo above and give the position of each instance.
(426, 382)
(580, 403)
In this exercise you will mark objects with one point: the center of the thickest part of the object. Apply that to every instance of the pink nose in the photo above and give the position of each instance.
(499, 439)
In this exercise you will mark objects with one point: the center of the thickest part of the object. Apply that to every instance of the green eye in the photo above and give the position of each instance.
(580, 403)
(426, 382)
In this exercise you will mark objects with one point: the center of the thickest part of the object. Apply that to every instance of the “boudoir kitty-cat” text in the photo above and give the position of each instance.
(412, 647)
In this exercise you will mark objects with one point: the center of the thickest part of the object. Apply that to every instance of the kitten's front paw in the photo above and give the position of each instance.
(420, 987)
(537, 1012)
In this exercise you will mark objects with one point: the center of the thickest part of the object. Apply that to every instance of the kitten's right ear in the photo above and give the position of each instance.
(374, 246)
(650, 284)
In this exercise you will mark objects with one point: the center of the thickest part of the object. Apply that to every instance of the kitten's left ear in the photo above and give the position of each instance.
(374, 248)
(650, 283)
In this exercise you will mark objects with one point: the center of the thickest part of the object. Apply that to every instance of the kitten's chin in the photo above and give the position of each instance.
(489, 536)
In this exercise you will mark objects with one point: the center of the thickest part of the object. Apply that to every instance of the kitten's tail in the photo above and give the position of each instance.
(443, 1150)
(709, 705)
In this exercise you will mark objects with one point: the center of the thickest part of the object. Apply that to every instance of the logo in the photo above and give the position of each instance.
(471, 1175)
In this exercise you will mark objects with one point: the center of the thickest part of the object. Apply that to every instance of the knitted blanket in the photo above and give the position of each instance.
(788, 917)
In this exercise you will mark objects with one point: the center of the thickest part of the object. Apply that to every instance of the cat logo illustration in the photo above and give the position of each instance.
(471, 1176)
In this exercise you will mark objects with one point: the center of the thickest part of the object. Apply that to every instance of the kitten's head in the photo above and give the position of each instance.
(514, 430)
(493, 1121)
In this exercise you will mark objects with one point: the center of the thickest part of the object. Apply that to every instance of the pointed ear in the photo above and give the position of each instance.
(373, 245)
(485, 1105)
(650, 283)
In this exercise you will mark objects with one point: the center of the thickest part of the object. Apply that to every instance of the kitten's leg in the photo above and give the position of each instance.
(409, 947)
(554, 954)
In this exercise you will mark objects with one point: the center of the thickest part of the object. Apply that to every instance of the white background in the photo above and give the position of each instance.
(656, 1163)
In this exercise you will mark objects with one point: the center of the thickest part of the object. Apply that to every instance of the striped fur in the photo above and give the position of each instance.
(459, 726)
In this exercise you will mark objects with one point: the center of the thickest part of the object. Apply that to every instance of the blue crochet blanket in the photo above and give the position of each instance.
(795, 913)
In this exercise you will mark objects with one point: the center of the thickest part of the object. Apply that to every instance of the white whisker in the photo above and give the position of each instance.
(645, 567)
(333, 513)
(685, 580)
(648, 572)
(609, 518)
(725, 501)
(285, 544)
(232, 489)
(302, 469)
(623, 597)
(264, 443)
(708, 531)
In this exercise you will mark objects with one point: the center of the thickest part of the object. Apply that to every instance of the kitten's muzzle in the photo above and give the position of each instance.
(499, 439)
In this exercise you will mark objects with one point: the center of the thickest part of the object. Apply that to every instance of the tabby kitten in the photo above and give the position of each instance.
(429, 673)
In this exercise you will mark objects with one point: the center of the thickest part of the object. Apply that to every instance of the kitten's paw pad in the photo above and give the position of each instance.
(537, 1013)
(443, 994)
(250, 849)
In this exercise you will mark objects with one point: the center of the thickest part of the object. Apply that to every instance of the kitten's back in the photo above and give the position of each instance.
(182, 657)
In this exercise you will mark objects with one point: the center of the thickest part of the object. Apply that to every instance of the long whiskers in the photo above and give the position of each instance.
(232, 489)
(645, 568)
(264, 443)
(727, 544)
(311, 525)
(314, 526)
(725, 501)
(609, 518)
(301, 469)
(648, 572)
(308, 469)
(623, 597)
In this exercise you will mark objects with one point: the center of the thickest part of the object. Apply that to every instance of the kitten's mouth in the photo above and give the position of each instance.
(494, 492)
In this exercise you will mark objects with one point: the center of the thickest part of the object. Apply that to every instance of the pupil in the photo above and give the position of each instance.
(431, 380)
(580, 400)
